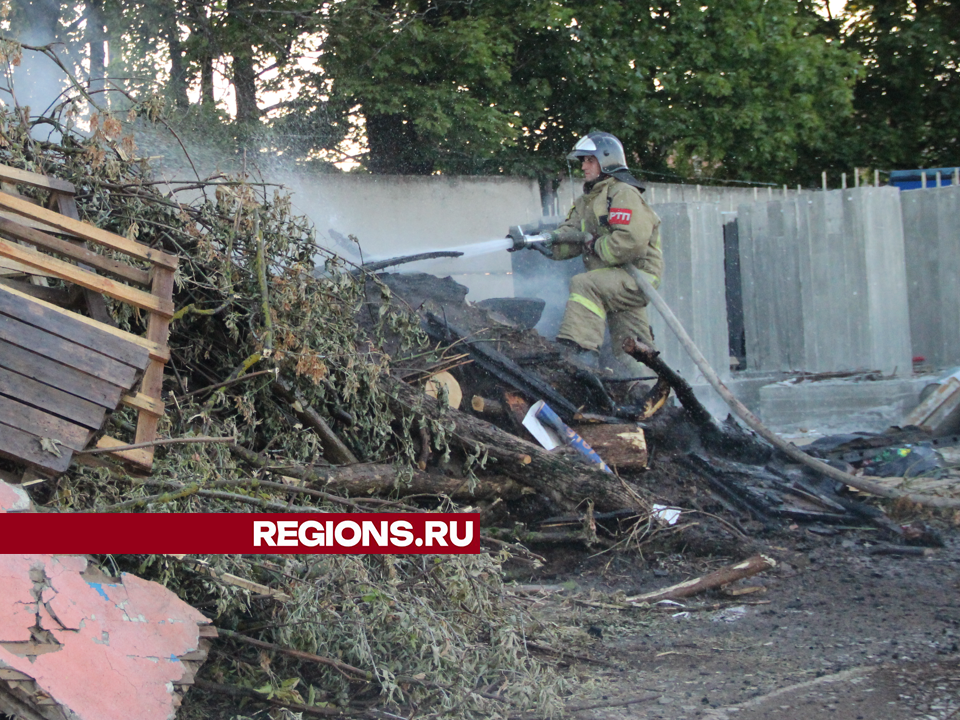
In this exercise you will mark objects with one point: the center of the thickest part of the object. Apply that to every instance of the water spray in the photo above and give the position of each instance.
(476, 249)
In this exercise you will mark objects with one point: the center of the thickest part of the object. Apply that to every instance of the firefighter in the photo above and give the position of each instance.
(614, 226)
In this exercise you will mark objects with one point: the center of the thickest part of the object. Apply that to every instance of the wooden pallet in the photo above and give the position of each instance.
(60, 371)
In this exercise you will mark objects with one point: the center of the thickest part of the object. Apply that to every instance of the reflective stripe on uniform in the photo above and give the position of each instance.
(588, 304)
(600, 248)
(651, 278)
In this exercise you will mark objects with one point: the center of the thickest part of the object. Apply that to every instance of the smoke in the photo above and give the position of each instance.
(36, 82)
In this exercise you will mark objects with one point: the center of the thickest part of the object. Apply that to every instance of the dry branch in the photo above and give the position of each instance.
(374, 479)
(236, 691)
(334, 449)
(199, 440)
(349, 671)
(723, 576)
(762, 430)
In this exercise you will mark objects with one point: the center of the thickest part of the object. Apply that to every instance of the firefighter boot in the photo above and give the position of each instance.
(580, 357)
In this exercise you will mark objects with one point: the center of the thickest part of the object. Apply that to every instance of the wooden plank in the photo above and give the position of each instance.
(67, 352)
(143, 402)
(53, 400)
(155, 350)
(81, 254)
(42, 424)
(50, 372)
(71, 273)
(96, 303)
(142, 456)
(88, 232)
(64, 297)
(12, 267)
(66, 326)
(19, 445)
(11, 189)
(25, 177)
(35, 224)
(158, 327)
(939, 414)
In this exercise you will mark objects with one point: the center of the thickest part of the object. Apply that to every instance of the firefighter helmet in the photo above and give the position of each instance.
(609, 153)
(605, 148)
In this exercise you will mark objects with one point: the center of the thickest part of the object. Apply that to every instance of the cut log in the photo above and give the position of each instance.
(719, 578)
(565, 481)
(447, 382)
(485, 406)
(367, 480)
(516, 407)
(501, 367)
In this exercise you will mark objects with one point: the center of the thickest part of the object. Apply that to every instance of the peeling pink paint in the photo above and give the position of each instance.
(13, 498)
(111, 649)
(19, 608)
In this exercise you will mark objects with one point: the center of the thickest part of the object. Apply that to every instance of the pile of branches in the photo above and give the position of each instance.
(279, 400)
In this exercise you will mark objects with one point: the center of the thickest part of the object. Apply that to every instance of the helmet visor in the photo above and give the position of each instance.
(585, 146)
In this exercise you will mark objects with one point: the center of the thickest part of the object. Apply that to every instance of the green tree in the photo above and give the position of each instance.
(430, 80)
(733, 89)
(911, 88)
(727, 90)
(721, 90)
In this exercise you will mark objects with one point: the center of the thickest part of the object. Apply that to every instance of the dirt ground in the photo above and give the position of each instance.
(837, 633)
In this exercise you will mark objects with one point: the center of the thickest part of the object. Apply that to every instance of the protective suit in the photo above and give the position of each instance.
(624, 230)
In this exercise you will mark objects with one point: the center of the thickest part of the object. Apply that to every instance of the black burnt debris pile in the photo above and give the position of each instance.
(662, 452)
(300, 382)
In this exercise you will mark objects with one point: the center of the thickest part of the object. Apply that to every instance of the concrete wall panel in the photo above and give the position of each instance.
(888, 315)
(693, 286)
(770, 267)
(931, 227)
(825, 282)
(394, 216)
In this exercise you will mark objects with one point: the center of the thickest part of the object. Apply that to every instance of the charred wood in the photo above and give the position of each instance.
(731, 492)
(502, 367)
(729, 440)
(900, 550)
(566, 482)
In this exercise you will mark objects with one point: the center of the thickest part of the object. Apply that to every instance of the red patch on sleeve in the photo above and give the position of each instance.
(620, 216)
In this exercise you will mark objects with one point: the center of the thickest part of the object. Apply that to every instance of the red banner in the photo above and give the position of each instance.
(239, 533)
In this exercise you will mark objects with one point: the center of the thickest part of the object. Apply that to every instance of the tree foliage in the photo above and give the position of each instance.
(905, 101)
(744, 89)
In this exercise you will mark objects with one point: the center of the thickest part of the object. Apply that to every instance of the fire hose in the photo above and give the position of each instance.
(753, 422)
(543, 243)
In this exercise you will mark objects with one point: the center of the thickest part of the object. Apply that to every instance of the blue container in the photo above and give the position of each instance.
(912, 179)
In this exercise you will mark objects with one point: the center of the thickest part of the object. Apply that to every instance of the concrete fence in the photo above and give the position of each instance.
(693, 286)
(824, 276)
(824, 282)
(931, 227)
(727, 198)
(393, 216)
